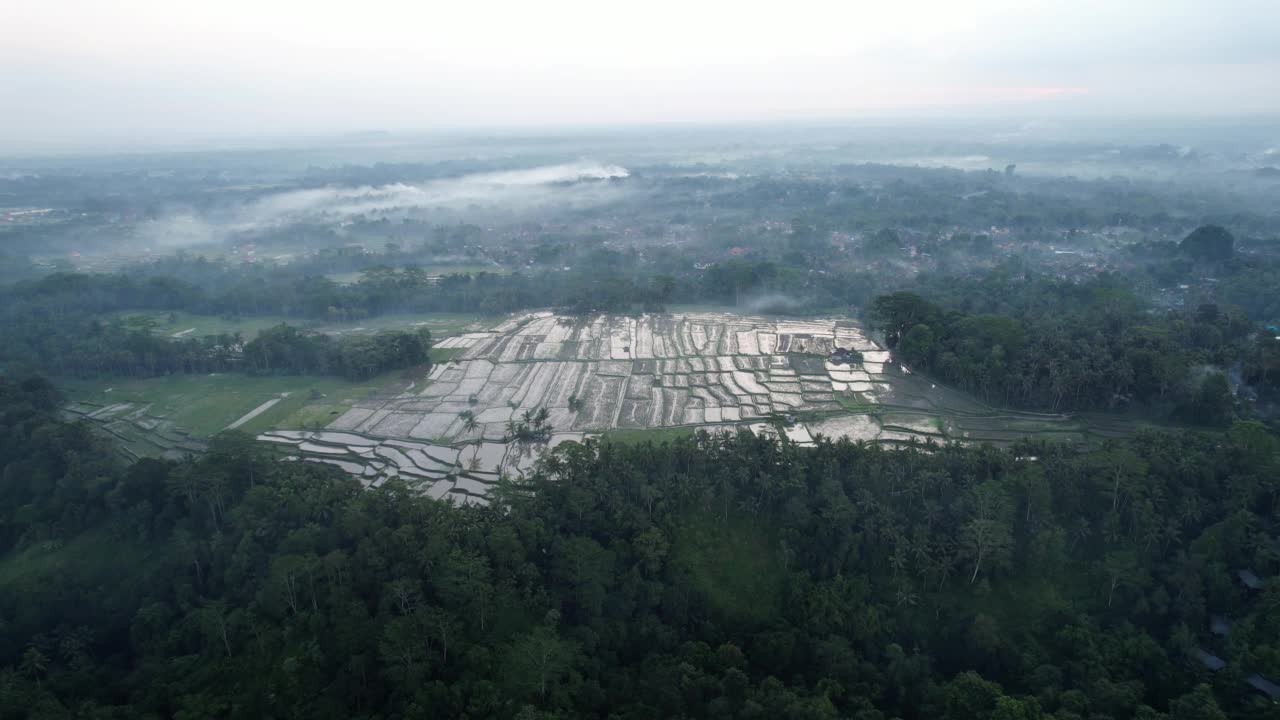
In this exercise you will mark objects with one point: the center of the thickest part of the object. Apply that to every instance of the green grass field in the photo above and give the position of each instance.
(206, 404)
(444, 355)
(440, 324)
(177, 324)
(203, 405)
(634, 436)
(169, 324)
(348, 278)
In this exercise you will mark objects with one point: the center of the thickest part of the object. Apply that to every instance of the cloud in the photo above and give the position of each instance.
(509, 189)
(571, 185)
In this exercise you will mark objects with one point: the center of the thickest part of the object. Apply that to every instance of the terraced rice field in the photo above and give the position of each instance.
(606, 372)
(448, 435)
(620, 377)
(137, 432)
(462, 474)
(149, 417)
(626, 377)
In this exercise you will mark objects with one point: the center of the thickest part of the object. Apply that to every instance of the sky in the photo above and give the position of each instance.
(77, 71)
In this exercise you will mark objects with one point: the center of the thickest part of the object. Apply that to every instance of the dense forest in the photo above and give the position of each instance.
(62, 325)
(128, 349)
(70, 324)
(1033, 341)
(710, 577)
(1011, 335)
(284, 349)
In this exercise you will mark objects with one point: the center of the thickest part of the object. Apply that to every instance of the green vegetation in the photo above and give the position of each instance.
(348, 278)
(1037, 343)
(206, 404)
(735, 567)
(710, 576)
(854, 403)
(285, 350)
(444, 355)
(95, 557)
(176, 323)
(1208, 242)
(441, 325)
(1055, 567)
(170, 323)
(632, 436)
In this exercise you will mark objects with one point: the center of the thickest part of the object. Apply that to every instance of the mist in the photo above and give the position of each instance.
(509, 189)
(508, 193)
(770, 303)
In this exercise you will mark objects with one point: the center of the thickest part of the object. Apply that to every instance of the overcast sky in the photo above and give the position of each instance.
(78, 70)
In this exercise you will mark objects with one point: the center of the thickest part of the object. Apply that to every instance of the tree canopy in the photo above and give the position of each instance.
(712, 576)
(1209, 242)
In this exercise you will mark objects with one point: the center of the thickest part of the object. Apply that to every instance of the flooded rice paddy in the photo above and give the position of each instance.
(447, 434)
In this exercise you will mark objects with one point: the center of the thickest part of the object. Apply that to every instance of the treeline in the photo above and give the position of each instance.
(88, 347)
(1036, 342)
(867, 197)
(614, 283)
(60, 324)
(287, 350)
(1254, 285)
(712, 577)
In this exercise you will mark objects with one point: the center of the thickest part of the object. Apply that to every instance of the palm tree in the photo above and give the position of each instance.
(34, 664)
(469, 422)
(537, 423)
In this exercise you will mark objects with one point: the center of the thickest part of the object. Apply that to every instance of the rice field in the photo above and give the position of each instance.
(459, 474)
(630, 377)
(151, 417)
(625, 378)
(616, 372)
(183, 325)
(135, 432)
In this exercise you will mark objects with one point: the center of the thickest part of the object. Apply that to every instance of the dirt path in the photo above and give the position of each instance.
(253, 413)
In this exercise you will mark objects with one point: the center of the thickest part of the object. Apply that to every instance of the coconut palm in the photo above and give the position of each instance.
(541, 425)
